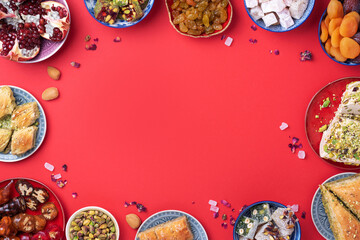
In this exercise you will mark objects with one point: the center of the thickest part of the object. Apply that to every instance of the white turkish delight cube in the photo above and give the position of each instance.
(256, 13)
(273, 6)
(251, 3)
(286, 21)
(270, 19)
(298, 7)
(285, 12)
(288, 2)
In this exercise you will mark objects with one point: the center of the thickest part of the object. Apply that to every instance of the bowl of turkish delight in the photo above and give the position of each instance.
(267, 220)
(279, 15)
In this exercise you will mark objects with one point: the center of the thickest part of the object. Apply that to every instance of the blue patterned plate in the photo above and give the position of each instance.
(318, 213)
(90, 5)
(273, 205)
(21, 97)
(279, 28)
(164, 216)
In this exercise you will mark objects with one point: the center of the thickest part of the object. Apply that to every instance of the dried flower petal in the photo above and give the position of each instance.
(223, 37)
(276, 52)
(133, 203)
(64, 168)
(61, 183)
(295, 140)
(252, 41)
(91, 47)
(283, 126)
(126, 204)
(212, 202)
(96, 40)
(192, 202)
(74, 195)
(49, 167)
(301, 154)
(87, 38)
(226, 203)
(294, 208)
(224, 225)
(224, 217)
(228, 41)
(303, 215)
(232, 220)
(270, 51)
(243, 207)
(117, 39)
(305, 56)
(253, 27)
(140, 207)
(214, 209)
(53, 178)
(215, 215)
(75, 64)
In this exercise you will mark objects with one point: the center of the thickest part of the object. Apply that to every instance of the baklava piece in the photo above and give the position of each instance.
(5, 136)
(25, 115)
(7, 101)
(23, 140)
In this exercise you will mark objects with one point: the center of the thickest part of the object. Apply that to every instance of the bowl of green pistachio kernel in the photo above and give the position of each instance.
(92, 223)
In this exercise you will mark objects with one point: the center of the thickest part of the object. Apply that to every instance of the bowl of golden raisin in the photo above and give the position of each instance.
(339, 31)
(199, 18)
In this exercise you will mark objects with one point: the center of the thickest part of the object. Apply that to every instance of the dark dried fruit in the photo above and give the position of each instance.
(24, 222)
(41, 195)
(5, 193)
(49, 211)
(356, 37)
(15, 206)
(24, 188)
(40, 222)
(32, 203)
(6, 227)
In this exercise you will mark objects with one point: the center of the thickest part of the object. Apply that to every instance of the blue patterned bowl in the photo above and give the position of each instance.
(246, 212)
(164, 216)
(21, 97)
(279, 28)
(347, 63)
(90, 5)
(318, 213)
(49, 48)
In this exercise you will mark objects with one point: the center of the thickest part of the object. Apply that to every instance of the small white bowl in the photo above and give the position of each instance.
(68, 224)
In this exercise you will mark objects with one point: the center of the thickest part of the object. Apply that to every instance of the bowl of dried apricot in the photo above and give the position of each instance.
(199, 18)
(339, 31)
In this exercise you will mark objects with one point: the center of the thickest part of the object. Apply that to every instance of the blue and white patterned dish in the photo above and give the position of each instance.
(279, 28)
(21, 97)
(165, 216)
(318, 213)
(246, 212)
(90, 5)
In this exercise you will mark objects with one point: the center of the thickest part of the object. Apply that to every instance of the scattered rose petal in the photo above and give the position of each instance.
(243, 207)
(295, 140)
(212, 202)
(252, 41)
(232, 220)
(303, 215)
(192, 202)
(294, 208)
(74, 195)
(133, 203)
(53, 178)
(301, 154)
(140, 207)
(224, 217)
(96, 40)
(228, 41)
(49, 167)
(253, 27)
(75, 64)
(223, 37)
(300, 146)
(283, 126)
(233, 210)
(117, 39)
(64, 168)
(270, 51)
(276, 52)
(225, 203)
(214, 209)
(224, 225)
(61, 183)
(126, 204)
(215, 215)
(305, 56)
(91, 47)
(87, 38)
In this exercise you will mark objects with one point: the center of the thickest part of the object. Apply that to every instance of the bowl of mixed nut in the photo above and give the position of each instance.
(92, 223)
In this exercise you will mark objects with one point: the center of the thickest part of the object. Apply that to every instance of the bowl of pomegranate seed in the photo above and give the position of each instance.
(32, 30)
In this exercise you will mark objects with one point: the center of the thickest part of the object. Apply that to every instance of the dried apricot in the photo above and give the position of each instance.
(355, 15)
(349, 26)
(335, 9)
(324, 32)
(327, 21)
(335, 52)
(334, 23)
(349, 48)
(328, 45)
(336, 38)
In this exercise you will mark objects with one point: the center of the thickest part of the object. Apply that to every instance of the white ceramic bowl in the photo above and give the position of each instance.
(68, 224)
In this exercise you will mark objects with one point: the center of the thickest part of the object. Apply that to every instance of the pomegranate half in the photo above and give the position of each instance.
(56, 21)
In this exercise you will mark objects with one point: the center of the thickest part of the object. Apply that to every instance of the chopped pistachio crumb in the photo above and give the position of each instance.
(323, 128)
(326, 103)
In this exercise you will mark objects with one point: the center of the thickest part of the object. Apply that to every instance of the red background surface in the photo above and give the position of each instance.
(166, 120)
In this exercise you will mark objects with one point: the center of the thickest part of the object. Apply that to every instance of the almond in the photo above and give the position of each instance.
(54, 73)
(50, 94)
(133, 220)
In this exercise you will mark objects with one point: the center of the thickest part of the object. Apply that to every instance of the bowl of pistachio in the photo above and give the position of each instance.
(92, 223)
